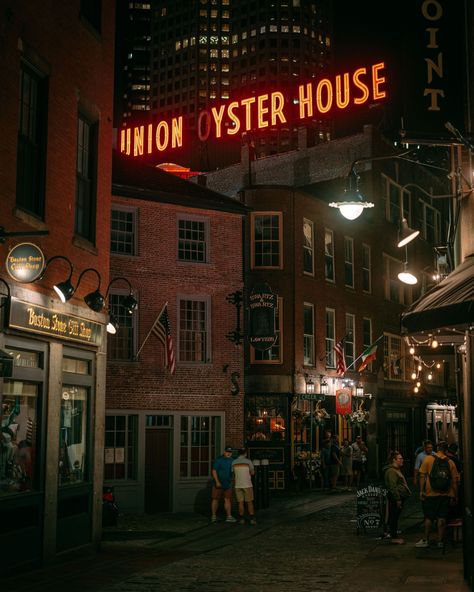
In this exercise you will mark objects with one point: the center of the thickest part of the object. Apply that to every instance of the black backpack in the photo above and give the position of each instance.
(440, 475)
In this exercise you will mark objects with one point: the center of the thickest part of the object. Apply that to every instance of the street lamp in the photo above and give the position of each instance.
(352, 203)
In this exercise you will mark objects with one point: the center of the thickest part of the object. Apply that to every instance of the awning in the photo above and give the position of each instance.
(449, 304)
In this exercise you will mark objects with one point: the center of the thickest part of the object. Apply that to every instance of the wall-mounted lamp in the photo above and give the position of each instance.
(112, 325)
(63, 289)
(359, 391)
(323, 386)
(352, 203)
(309, 385)
(130, 304)
(406, 276)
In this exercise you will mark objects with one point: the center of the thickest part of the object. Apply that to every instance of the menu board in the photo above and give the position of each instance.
(371, 504)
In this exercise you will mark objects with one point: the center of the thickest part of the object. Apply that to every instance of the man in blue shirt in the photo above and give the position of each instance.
(222, 484)
(427, 450)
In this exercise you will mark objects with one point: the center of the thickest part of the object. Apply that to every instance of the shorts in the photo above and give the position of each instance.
(218, 493)
(436, 506)
(244, 494)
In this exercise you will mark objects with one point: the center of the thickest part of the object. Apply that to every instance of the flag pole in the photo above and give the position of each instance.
(149, 332)
(371, 345)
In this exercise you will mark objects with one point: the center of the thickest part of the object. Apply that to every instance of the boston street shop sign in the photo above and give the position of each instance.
(38, 319)
(262, 305)
(25, 263)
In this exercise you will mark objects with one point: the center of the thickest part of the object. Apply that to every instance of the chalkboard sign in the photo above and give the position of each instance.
(262, 305)
(371, 503)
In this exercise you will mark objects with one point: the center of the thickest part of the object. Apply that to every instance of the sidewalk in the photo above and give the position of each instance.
(179, 551)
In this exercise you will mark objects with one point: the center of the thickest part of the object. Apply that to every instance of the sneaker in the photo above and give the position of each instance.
(213, 518)
(253, 521)
(422, 544)
(230, 519)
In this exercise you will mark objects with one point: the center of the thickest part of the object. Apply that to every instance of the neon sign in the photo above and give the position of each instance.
(260, 111)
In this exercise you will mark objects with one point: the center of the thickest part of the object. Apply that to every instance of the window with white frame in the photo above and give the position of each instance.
(393, 357)
(266, 233)
(121, 447)
(349, 261)
(308, 247)
(123, 231)
(308, 338)
(193, 239)
(200, 437)
(330, 337)
(349, 342)
(393, 286)
(194, 332)
(273, 355)
(367, 336)
(329, 254)
(431, 223)
(121, 345)
(366, 268)
(395, 197)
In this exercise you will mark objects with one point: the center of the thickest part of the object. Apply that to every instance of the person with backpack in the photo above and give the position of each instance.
(439, 480)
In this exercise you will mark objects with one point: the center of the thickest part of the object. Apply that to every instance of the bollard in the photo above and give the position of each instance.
(265, 486)
(257, 484)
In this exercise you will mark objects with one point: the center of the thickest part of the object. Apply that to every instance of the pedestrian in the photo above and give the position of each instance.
(335, 463)
(438, 491)
(243, 470)
(398, 492)
(222, 485)
(420, 457)
(359, 459)
(346, 469)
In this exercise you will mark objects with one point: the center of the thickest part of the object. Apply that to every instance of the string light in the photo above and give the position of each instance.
(434, 343)
(430, 376)
(418, 384)
(413, 375)
(412, 350)
(438, 365)
(416, 389)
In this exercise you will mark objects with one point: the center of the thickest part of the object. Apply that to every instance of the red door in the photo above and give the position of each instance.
(157, 470)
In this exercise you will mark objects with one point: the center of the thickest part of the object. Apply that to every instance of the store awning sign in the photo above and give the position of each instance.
(25, 263)
(262, 307)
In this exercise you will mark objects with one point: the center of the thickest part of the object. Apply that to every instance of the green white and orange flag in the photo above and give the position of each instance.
(369, 354)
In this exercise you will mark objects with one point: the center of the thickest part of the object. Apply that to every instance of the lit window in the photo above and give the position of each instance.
(266, 239)
(308, 337)
(329, 255)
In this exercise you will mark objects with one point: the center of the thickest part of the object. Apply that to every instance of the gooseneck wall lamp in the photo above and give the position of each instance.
(63, 289)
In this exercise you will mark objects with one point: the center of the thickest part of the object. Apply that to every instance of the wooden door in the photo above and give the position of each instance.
(157, 470)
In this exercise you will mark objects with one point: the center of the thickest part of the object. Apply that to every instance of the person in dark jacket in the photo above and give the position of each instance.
(398, 492)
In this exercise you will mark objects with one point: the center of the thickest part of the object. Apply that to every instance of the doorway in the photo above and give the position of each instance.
(157, 470)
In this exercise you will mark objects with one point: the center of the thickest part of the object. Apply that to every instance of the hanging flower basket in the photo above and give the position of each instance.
(359, 418)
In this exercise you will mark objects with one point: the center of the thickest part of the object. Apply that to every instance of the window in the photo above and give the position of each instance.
(121, 445)
(31, 150)
(393, 193)
(366, 269)
(192, 240)
(91, 10)
(367, 336)
(308, 328)
(349, 341)
(329, 255)
(86, 172)
(348, 261)
(193, 331)
(308, 247)
(200, 444)
(431, 223)
(392, 360)
(123, 231)
(330, 337)
(121, 345)
(266, 232)
(274, 355)
(266, 418)
(393, 286)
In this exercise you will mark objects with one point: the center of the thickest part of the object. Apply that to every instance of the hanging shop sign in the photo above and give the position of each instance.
(343, 401)
(262, 307)
(25, 263)
(271, 109)
(38, 319)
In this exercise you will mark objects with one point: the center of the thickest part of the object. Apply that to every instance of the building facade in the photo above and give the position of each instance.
(54, 206)
(180, 245)
(337, 279)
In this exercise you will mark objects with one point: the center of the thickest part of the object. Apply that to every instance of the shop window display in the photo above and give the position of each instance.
(265, 419)
(73, 435)
(18, 436)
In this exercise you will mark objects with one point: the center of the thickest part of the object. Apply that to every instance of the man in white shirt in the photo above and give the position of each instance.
(243, 469)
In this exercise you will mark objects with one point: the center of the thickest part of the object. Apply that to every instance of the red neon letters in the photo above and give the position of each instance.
(261, 111)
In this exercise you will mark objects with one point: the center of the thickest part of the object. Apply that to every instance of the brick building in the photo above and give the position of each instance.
(55, 176)
(337, 278)
(180, 244)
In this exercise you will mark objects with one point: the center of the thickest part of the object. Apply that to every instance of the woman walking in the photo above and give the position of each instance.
(398, 492)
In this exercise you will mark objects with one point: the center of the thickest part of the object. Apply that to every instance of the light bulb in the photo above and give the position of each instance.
(418, 384)
(413, 375)
(412, 350)
(438, 365)
(420, 367)
(430, 376)
(416, 389)
(434, 343)
(351, 211)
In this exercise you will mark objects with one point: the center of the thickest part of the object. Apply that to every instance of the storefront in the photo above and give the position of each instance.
(52, 409)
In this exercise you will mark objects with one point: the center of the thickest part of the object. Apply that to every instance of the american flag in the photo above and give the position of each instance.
(162, 330)
(340, 358)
